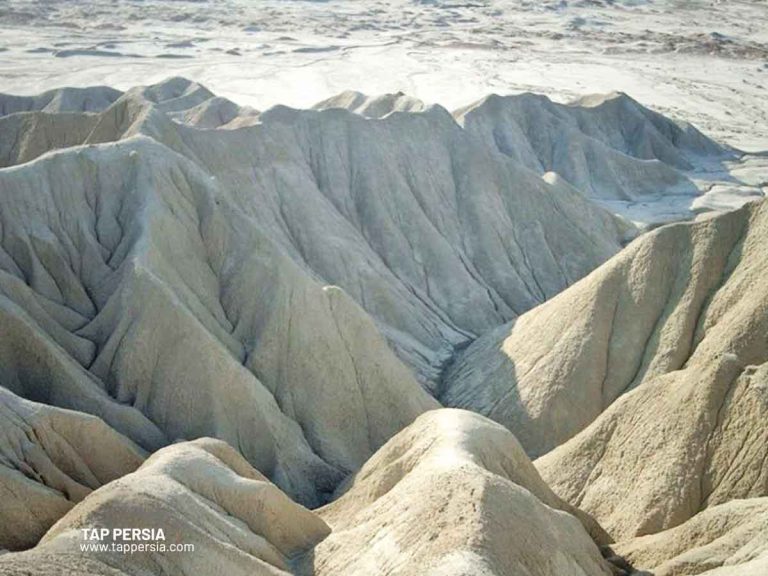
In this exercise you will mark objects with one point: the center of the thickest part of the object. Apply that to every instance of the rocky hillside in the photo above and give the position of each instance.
(653, 366)
(243, 326)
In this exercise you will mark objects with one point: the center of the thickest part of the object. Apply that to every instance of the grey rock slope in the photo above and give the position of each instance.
(27, 135)
(156, 305)
(216, 112)
(162, 271)
(461, 241)
(201, 494)
(609, 147)
(92, 99)
(50, 459)
(294, 282)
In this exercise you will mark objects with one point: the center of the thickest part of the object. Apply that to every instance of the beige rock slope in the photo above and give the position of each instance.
(704, 441)
(453, 493)
(50, 459)
(200, 493)
(372, 106)
(730, 538)
(674, 295)
(679, 320)
(755, 567)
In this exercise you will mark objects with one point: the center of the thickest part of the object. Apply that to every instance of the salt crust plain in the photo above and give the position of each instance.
(703, 62)
(369, 335)
(699, 61)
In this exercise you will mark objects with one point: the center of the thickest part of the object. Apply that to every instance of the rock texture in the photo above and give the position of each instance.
(50, 459)
(679, 320)
(670, 337)
(92, 99)
(704, 442)
(216, 112)
(451, 494)
(674, 296)
(297, 283)
(145, 286)
(200, 493)
(730, 538)
(462, 240)
(27, 135)
(159, 264)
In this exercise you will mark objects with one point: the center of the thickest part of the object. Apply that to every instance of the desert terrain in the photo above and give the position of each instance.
(384, 288)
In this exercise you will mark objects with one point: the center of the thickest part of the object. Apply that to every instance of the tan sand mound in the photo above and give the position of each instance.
(199, 493)
(453, 493)
(50, 459)
(732, 536)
